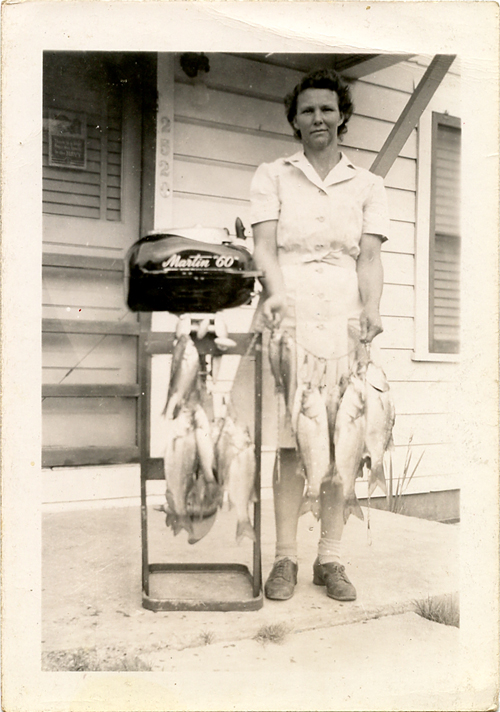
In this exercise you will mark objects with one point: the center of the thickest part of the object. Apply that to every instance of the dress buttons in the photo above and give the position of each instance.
(320, 326)
(319, 270)
(319, 247)
(320, 218)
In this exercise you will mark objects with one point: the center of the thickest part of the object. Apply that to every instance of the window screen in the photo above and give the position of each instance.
(444, 268)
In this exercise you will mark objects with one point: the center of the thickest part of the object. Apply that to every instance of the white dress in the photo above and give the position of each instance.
(320, 224)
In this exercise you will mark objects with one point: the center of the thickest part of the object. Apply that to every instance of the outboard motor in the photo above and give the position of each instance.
(185, 270)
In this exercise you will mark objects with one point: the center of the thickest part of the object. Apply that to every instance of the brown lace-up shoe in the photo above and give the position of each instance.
(282, 580)
(334, 577)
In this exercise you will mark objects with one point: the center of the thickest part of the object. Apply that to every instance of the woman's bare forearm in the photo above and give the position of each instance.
(371, 283)
(266, 259)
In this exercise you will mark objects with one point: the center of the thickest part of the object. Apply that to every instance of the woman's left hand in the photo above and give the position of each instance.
(370, 324)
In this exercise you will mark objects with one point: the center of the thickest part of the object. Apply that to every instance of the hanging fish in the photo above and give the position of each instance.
(349, 444)
(275, 357)
(333, 397)
(313, 442)
(235, 458)
(288, 368)
(204, 444)
(180, 463)
(184, 373)
(379, 422)
(241, 490)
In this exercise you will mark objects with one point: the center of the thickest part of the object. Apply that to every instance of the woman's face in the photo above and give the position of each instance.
(318, 118)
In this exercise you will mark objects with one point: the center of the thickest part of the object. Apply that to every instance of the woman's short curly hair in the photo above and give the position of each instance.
(321, 79)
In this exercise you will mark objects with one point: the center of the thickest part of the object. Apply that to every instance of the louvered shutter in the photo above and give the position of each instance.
(93, 191)
(444, 286)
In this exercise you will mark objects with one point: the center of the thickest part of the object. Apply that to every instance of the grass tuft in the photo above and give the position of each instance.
(399, 485)
(440, 609)
(272, 633)
(91, 660)
(207, 637)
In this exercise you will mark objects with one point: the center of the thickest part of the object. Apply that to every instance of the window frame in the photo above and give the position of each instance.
(424, 242)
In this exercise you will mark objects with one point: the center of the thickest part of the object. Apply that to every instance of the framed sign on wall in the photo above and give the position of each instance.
(67, 139)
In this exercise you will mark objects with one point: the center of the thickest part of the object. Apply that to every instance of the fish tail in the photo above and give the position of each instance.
(244, 528)
(310, 504)
(178, 523)
(352, 506)
(377, 477)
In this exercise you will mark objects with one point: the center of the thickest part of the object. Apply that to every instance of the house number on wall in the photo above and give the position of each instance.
(165, 190)
(165, 149)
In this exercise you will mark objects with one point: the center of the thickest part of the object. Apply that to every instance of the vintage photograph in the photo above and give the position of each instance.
(252, 361)
(295, 200)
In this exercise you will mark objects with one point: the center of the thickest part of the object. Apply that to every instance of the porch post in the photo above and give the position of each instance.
(412, 112)
(163, 194)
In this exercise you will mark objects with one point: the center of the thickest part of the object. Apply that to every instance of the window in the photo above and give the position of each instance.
(444, 244)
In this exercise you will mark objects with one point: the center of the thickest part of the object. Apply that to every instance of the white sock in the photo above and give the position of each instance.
(286, 550)
(329, 551)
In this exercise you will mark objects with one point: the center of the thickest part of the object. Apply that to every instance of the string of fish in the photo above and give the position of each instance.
(365, 386)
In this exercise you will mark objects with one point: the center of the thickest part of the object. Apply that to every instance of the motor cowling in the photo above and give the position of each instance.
(179, 274)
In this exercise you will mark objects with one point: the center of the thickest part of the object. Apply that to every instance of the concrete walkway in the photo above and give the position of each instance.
(92, 577)
(375, 653)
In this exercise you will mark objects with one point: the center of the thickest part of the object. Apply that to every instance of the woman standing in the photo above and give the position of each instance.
(318, 224)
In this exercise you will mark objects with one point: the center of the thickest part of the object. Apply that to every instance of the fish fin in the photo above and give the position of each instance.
(310, 504)
(244, 529)
(376, 377)
(171, 409)
(352, 506)
(170, 503)
(377, 477)
(162, 508)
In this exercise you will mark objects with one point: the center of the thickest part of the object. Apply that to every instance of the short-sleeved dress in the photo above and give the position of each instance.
(320, 224)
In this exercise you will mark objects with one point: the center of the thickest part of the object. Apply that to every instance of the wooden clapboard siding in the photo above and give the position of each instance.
(402, 77)
(402, 174)
(398, 333)
(377, 101)
(430, 429)
(422, 397)
(398, 268)
(70, 293)
(398, 365)
(72, 422)
(397, 300)
(88, 358)
(401, 238)
(190, 209)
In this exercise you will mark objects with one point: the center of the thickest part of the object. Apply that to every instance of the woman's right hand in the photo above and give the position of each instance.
(274, 309)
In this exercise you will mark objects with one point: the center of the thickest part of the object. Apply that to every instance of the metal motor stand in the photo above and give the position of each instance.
(152, 343)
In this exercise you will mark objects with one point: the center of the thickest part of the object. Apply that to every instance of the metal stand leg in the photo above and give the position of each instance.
(257, 559)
